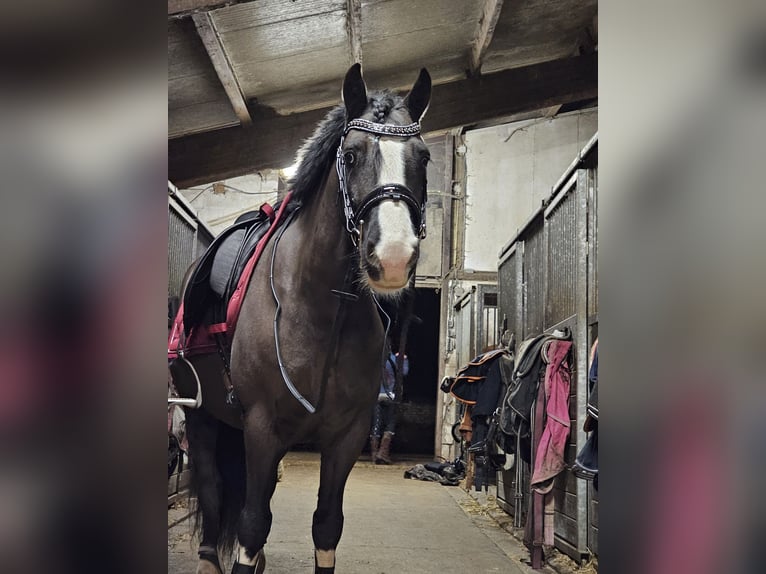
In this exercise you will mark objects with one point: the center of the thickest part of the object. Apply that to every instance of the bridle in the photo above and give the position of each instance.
(354, 221)
(393, 191)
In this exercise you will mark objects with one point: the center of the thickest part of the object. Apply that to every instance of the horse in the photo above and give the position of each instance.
(307, 352)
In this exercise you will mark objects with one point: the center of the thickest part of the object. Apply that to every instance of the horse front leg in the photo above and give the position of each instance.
(263, 453)
(338, 458)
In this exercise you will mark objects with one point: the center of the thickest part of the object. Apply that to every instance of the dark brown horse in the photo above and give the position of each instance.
(308, 368)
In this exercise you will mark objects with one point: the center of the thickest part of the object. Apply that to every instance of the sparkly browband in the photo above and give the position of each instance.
(412, 129)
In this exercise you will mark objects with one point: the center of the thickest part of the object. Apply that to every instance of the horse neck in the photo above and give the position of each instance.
(323, 229)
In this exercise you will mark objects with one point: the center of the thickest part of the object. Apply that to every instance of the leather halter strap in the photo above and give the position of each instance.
(388, 191)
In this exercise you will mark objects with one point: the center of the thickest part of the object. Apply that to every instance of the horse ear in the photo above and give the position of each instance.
(420, 96)
(354, 92)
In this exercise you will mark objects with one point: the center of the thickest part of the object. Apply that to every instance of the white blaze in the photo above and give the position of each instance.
(392, 161)
(397, 241)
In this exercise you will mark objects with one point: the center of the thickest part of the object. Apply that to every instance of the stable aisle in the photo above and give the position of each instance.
(393, 526)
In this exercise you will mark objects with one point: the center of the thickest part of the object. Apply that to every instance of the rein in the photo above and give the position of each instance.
(345, 296)
(393, 191)
(282, 369)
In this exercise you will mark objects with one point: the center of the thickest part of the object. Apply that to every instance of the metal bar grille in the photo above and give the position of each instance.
(508, 293)
(464, 336)
(561, 261)
(593, 243)
(181, 249)
(487, 335)
(534, 281)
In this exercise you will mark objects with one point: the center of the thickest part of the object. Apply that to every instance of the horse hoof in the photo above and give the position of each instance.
(206, 567)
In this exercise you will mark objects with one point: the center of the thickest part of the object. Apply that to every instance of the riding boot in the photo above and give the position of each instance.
(383, 455)
(374, 444)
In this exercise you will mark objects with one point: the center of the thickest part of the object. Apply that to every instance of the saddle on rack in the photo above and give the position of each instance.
(481, 384)
(467, 384)
(516, 408)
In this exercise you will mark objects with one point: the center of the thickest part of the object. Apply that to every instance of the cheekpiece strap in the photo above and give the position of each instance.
(409, 130)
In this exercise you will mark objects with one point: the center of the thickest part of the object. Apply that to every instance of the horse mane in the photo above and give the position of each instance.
(317, 154)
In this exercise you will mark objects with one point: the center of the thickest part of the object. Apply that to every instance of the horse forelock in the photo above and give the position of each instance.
(387, 107)
(316, 155)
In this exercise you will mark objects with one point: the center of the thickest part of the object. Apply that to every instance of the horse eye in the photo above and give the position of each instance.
(349, 158)
(425, 161)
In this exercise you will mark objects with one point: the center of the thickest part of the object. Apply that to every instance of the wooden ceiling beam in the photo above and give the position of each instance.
(181, 8)
(490, 13)
(354, 30)
(215, 50)
(272, 142)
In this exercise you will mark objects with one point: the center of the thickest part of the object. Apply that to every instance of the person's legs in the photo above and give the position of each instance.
(389, 418)
(388, 414)
(375, 432)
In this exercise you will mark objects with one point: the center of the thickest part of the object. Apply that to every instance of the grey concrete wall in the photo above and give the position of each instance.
(510, 170)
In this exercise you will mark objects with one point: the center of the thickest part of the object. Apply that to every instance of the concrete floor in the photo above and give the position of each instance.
(393, 526)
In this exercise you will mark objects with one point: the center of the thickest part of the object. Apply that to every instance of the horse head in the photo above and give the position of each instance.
(381, 164)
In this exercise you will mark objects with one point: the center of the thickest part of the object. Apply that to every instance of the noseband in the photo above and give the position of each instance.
(393, 191)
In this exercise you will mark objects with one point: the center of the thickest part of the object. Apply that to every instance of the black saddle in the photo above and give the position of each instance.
(468, 384)
(217, 273)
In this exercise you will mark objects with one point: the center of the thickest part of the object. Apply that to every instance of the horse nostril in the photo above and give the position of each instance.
(371, 253)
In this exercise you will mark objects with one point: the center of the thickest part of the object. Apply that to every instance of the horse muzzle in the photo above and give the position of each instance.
(390, 269)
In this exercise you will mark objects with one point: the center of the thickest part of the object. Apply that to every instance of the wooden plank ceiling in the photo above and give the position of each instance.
(248, 80)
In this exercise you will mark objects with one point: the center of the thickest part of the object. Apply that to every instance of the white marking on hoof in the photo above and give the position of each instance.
(243, 558)
(325, 558)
